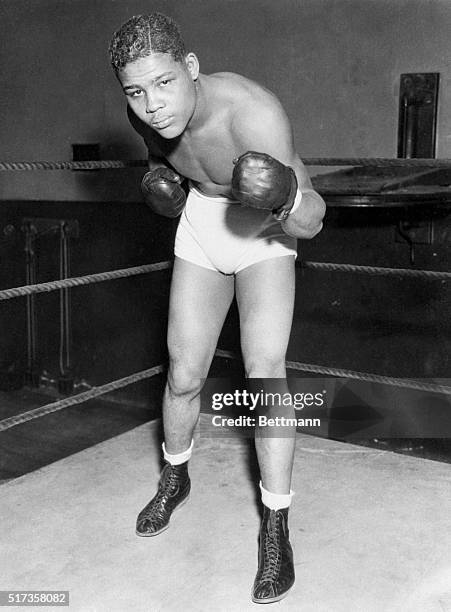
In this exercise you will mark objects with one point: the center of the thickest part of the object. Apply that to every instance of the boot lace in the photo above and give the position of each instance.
(272, 551)
(154, 510)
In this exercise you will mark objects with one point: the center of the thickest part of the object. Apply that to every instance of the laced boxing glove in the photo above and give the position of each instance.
(260, 181)
(163, 193)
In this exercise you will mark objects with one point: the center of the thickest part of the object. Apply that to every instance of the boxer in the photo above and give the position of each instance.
(222, 160)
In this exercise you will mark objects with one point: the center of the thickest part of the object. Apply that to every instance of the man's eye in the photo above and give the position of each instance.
(164, 83)
(136, 93)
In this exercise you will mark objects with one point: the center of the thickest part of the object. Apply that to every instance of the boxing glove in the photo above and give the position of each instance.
(260, 181)
(163, 192)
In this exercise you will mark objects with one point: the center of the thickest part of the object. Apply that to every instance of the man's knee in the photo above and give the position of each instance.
(184, 380)
(265, 365)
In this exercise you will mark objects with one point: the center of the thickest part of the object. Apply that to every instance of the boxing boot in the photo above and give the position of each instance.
(173, 489)
(275, 574)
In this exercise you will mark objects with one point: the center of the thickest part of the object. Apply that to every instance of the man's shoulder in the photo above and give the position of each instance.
(241, 89)
(251, 105)
(247, 101)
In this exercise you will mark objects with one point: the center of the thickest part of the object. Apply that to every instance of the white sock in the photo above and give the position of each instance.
(179, 457)
(275, 501)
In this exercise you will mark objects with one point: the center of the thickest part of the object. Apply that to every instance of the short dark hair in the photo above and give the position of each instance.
(143, 35)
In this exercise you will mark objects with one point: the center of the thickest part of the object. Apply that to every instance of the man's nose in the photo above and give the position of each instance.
(153, 103)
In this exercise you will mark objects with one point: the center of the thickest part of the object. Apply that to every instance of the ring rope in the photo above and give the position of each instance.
(338, 267)
(14, 292)
(94, 392)
(404, 383)
(375, 162)
(106, 164)
(79, 398)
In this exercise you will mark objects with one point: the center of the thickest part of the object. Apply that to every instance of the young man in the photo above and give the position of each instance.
(249, 199)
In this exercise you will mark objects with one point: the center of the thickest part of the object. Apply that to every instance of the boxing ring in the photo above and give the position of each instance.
(391, 503)
(343, 197)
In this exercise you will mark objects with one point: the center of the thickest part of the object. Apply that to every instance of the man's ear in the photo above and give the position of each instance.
(192, 64)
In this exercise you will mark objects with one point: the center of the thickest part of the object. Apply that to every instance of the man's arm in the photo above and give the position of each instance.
(160, 186)
(268, 131)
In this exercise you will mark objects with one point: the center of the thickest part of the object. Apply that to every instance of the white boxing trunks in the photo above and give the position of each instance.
(220, 234)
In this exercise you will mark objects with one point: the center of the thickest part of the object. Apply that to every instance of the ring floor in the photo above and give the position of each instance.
(371, 529)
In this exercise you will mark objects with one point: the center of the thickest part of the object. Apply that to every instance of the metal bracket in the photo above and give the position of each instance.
(41, 225)
(415, 232)
(418, 95)
(34, 228)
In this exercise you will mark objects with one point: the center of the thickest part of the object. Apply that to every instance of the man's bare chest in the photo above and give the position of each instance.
(205, 158)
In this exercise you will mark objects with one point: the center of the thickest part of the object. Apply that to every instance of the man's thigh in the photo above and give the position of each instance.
(265, 297)
(199, 301)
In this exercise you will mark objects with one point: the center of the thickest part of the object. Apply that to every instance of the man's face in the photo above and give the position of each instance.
(161, 91)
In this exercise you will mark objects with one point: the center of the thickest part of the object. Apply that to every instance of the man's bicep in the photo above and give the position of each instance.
(269, 131)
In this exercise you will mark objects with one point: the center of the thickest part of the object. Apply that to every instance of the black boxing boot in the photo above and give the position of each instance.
(275, 574)
(173, 490)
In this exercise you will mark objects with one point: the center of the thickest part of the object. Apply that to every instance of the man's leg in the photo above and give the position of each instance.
(265, 296)
(199, 301)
